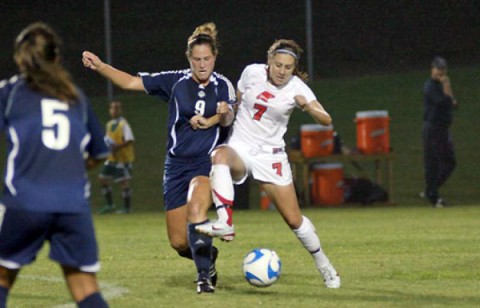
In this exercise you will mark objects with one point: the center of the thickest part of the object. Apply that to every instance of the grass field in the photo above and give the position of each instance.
(395, 257)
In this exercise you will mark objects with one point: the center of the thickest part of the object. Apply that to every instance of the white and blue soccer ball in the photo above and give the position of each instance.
(261, 267)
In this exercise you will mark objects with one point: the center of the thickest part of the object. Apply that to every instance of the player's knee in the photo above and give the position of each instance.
(294, 222)
(125, 184)
(178, 240)
(219, 156)
(179, 245)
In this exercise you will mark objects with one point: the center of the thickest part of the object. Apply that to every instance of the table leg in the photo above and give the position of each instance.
(306, 186)
(390, 180)
(378, 171)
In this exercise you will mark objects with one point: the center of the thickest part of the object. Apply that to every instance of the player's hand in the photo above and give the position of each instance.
(222, 108)
(199, 122)
(444, 79)
(301, 102)
(91, 60)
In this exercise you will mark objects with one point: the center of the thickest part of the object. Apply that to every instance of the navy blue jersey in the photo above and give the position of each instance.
(186, 98)
(438, 107)
(47, 141)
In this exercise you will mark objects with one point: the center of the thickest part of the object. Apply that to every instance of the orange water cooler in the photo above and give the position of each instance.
(265, 202)
(316, 140)
(373, 131)
(327, 184)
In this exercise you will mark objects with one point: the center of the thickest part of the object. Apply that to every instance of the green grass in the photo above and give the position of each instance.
(387, 257)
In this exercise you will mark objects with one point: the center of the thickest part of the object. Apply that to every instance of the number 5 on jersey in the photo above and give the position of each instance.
(51, 117)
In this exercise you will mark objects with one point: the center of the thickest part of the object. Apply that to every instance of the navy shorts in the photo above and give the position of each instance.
(71, 236)
(177, 176)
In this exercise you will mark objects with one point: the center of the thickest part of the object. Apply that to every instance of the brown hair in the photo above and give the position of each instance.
(203, 34)
(290, 47)
(37, 54)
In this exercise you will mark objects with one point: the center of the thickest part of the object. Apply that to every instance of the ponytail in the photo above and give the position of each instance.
(203, 34)
(37, 54)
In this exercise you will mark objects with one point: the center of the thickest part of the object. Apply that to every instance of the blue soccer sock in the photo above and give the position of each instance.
(3, 297)
(126, 196)
(94, 300)
(201, 247)
(107, 193)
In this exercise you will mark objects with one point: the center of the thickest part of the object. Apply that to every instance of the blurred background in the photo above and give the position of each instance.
(349, 37)
(366, 55)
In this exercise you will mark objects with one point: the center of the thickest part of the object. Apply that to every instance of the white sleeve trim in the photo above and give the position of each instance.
(127, 132)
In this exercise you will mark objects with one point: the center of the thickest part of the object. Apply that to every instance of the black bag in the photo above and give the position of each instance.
(364, 191)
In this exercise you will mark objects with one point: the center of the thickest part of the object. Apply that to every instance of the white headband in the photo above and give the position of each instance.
(287, 52)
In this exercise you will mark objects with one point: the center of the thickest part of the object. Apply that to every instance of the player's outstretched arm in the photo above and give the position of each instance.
(119, 78)
(315, 109)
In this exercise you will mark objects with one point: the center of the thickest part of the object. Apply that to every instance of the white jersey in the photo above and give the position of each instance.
(265, 109)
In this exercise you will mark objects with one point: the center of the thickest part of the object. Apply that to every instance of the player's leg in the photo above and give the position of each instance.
(106, 187)
(227, 166)
(126, 196)
(176, 220)
(105, 179)
(73, 245)
(286, 202)
(7, 279)
(177, 185)
(431, 162)
(84, 288)
(199, 201)
(123, 177)
(19, 243)
(175, 192)
(447, 158)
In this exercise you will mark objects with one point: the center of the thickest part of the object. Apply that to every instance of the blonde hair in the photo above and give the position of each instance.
(292, 48)
(203, 34)
(37, 54)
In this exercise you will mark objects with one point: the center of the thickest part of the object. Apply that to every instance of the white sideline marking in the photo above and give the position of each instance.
(109, 291)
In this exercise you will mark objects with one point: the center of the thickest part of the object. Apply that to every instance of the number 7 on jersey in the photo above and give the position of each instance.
(260, 111)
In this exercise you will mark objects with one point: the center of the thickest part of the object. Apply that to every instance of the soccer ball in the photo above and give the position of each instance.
(261, 267)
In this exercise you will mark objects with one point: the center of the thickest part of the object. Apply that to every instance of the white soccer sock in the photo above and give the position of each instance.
(222, 191)
(309, 238)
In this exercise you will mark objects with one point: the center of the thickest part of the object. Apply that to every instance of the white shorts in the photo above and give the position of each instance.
(264, 164)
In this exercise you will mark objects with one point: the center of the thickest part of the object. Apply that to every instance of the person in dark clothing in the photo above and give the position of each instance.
(439, 154)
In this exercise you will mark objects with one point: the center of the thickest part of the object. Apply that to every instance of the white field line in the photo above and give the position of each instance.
(109, 290)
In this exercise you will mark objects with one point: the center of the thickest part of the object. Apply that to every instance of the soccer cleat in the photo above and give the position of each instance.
(212, 271)
(330, 276)
(204, 285)
(108, 208)
(219, 229)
